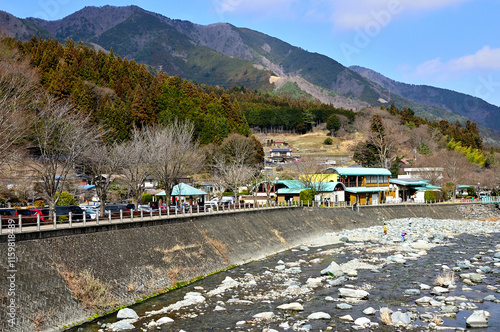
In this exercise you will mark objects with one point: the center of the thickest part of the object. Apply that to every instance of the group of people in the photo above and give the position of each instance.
(403, 235)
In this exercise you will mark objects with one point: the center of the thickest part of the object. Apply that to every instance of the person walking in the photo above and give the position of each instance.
(385, 229)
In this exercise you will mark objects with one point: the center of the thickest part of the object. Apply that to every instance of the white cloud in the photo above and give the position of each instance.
(343, 14)
(261, 7)
(486, 59)
(350, 15)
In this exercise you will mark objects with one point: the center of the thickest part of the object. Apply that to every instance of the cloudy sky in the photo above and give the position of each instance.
(451, 44)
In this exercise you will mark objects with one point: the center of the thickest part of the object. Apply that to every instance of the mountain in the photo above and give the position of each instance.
(224, 55)
(468, 106)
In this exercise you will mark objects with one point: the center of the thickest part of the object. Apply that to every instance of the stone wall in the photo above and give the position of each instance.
(134, 261)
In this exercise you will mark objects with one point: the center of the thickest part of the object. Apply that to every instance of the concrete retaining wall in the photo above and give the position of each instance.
(133, 261)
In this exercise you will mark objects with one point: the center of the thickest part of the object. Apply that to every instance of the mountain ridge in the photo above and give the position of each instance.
(225, 55)
(474, 108)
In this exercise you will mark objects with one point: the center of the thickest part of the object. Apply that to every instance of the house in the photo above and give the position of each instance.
(364, 185)
(331, 192)
(409, 190)
(422, 173)
(289, 190)
(269, 190)
(280, 155)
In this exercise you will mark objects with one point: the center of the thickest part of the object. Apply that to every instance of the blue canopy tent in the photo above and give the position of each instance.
(183, 189)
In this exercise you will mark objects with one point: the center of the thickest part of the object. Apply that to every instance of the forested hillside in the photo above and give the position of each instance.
(120, 94)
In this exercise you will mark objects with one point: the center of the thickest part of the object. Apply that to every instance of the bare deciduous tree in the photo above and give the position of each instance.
(311, 171)
(234, 164)
(172, 153)
(17, 85)
(133, 163)
(59, 137)
(101, 162)
(385, 137)
(456, 168)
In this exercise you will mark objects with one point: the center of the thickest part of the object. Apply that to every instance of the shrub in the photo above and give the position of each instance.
(66, 199)
(328, 141)
(39, 203)
(146, 198)
(307, 196)
(431, 196)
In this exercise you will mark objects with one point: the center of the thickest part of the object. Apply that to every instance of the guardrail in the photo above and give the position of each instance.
(24, 224)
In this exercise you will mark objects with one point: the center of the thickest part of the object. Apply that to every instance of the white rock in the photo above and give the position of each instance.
(291, 306)
(333, 269)
(439, 289)
(362, 321)
(347, 318)
(314, 282)
(267, 316)
(164, 320)
(127, 313)
(399, 318)
(479, 318)
(121, 326)
(285, 326)
(319, 315)
(369, 311)
(219, 308)
(423, 300)
(353, 293)
(425, 287)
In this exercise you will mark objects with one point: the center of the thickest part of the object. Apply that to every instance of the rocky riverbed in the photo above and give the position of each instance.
(444, 276)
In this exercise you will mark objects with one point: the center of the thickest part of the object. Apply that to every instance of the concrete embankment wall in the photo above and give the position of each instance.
(133, 261)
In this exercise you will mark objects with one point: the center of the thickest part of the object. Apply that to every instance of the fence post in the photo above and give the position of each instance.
(70, 217)
(37, 223)
(142, 215)
(109, 216)
(132, 215)
(55, 220)
(85, 218)
(1, 224)
(150, 213)
(159, 210)
(121, 215)
(20, 223)
(198, 208)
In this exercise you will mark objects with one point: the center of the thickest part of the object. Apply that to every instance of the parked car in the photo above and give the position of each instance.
(77, 212)
(23, 212)
(42, 212)
(115, 208)
(92, 213)
(146, 208)
(8, 212)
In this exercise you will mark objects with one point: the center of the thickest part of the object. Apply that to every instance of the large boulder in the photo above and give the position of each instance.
(333, 269)
(319, 315)
(479, 318)
(353, 293)
(291, 306)
(127, 313)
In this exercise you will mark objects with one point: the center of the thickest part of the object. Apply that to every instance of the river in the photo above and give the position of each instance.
(232, 298)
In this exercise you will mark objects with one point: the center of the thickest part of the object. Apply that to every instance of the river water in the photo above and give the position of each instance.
(263, 285)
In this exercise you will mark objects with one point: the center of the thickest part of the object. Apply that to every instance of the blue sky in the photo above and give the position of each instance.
(452, 44)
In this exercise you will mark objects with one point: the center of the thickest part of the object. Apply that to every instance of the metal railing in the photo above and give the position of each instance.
(23, 224)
